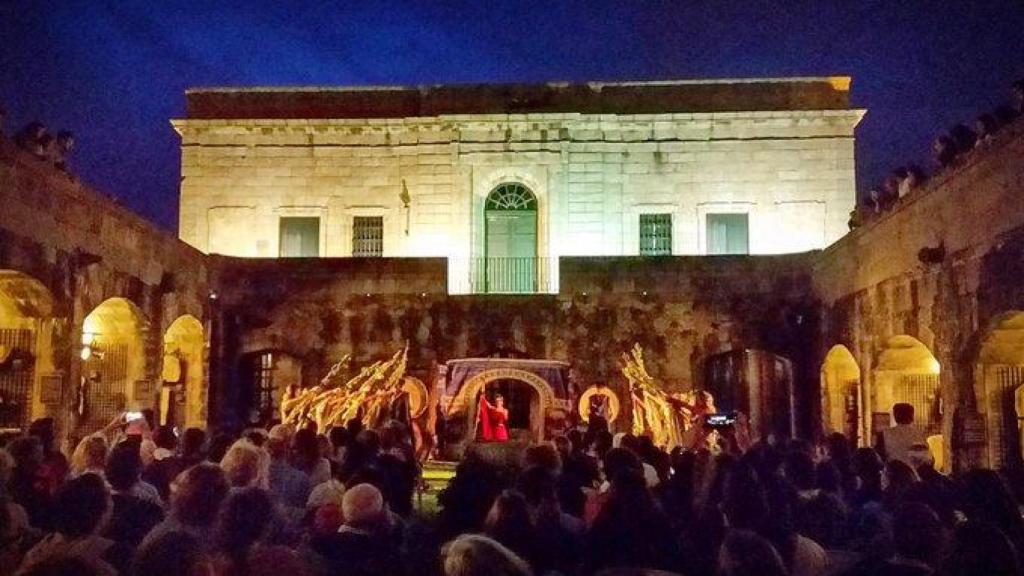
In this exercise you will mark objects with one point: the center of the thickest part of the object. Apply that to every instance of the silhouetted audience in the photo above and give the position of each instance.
(785, 507)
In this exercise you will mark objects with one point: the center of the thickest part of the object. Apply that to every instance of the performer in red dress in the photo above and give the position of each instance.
(493, 419)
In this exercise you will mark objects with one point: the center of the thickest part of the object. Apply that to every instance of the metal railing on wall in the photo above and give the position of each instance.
(507, 275)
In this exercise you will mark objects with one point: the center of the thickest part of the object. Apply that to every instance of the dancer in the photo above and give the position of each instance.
(493, 419)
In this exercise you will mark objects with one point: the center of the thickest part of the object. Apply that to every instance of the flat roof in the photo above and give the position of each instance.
(653, 97)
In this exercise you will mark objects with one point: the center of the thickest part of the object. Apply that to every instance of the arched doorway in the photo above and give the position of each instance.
(183, 394)
(510, 245)
(999, 375)
(26, 351)
(113, 364)
(840, 393)
(907, 372)
(528, 398)
(265, 377)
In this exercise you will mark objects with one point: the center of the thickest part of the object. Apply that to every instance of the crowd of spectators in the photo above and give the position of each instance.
(295, 502)
(948, 150)
(37, 140)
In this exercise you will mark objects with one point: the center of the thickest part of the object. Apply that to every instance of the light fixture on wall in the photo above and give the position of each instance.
(406, 201)
(89, 346)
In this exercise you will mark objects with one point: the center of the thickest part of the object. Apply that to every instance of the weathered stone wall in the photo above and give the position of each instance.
(792, 171)
(84, 249)
(681, 310)
(874, 285)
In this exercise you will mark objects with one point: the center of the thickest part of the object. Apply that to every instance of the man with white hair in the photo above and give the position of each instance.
(361, 547)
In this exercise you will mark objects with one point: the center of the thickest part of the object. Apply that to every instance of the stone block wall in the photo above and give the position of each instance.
(84, 249)
(681, 310)
(875, 283)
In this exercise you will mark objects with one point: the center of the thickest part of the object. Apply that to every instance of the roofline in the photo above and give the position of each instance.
(841, 83)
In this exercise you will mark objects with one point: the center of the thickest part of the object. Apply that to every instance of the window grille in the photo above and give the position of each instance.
(368, 236)
(655, 234)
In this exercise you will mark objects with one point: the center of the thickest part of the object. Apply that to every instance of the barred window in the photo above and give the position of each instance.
(368, 236)
(655, 234)
(263, 377)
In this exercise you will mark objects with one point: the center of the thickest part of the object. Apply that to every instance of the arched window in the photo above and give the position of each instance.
(510, 248)
(511, 196)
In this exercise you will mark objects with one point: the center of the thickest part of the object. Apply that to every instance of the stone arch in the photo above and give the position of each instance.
(26, 347)
(907, 371)
(113, 360)
(999, 388)
(841, 393)
(465, 400)
(183, 395)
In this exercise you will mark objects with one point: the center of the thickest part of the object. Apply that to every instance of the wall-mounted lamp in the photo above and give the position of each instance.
(406, 201)
(89, 347)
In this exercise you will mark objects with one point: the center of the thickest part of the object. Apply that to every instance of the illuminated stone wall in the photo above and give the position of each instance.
(875, 286)
(681, 310)
(792, 171)
(67, 251)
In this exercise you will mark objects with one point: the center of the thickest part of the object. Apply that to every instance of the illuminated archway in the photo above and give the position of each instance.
(544, 399)
(183, 395)
(841, 393)
(999, 388)
(26, 350)
(113, 363)
(907, 372)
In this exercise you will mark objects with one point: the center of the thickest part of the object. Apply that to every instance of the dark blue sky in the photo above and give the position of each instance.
(115, 71)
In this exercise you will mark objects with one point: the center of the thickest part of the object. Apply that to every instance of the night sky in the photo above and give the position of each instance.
(115, 72)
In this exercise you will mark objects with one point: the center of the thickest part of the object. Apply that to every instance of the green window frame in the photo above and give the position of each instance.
(655, 234)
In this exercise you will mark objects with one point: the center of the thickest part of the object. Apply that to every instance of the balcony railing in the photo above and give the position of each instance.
(501, 275)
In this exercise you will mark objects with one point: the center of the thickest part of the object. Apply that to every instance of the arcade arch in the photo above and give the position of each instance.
(183, 394)
(908, 372)
(999, 388)
(113, 363)
(841, 393)
(26, 346)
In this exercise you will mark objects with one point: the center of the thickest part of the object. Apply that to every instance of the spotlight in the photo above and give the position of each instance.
(86, 352)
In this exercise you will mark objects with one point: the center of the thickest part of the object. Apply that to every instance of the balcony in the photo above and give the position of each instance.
(510, 275)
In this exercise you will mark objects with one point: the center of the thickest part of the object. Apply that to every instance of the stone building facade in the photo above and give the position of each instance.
(504, 180)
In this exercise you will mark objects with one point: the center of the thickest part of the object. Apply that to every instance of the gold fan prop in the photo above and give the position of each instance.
(665, 417)
(367, 396)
